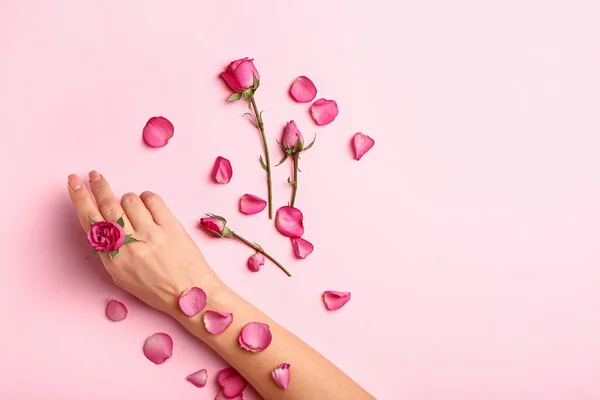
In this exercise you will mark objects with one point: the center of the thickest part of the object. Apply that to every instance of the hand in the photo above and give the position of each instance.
(166, 261)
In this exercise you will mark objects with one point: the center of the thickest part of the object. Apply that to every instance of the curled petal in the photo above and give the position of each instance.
(281, 376)
(158, 131)
(335, 300)
(256, 261)
(158, 348)
(303, 90)
(289, 222)
(198, 378)
(324, 111)
(192, 301)
(361, 143)
(222, 170)
(216, 322)
(116, 311)
(251, 204)
(221, 396)
(302, 247)
(255, 337)
(231, 382)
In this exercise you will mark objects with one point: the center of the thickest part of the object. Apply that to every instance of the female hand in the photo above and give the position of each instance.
(166, 261)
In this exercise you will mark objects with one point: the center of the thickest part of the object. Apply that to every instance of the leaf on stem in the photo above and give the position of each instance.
(235, 97)
(262, 162)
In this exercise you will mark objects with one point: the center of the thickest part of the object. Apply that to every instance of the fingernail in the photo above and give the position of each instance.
(95, 176)
(74, 182)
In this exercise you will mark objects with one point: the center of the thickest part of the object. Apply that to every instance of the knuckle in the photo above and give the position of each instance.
(109, 208)
(130, 198)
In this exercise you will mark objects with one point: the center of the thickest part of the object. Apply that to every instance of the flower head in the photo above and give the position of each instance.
(106, 236)
(215, 225)
(241, 75)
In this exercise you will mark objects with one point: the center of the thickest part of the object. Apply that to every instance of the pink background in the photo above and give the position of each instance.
(468, 235)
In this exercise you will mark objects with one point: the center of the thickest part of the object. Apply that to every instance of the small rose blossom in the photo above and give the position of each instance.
(106, 236)
(240, 74)
(213, 226)
(291, 136)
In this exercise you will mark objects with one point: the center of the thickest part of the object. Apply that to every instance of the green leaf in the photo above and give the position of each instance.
(113, 254)
(92, 221)
(235, 97)
(130, 239)
(262, 162)
(282, 160)
(121, 222)
(298, 147)
(311, 143)
(255, 82)
(291, 182)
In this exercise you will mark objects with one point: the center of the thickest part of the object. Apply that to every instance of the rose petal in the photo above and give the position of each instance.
(192, 301)
(158, 131)
(302, 247)
(281, 376)
(198, 378)
(335, 300)
(255, 337)
(324, 111)
(244, 74)
(216, 322)
(256, 261)
(158, 348)
(289, 222)
(222, 170)
(251, 204)
(116, 311)
(361, 143)
(303, 90)
(232, 383)
(221, 396)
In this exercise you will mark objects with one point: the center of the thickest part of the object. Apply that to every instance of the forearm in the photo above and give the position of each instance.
(312, 375)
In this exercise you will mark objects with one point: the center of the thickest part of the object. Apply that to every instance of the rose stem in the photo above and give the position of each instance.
(261, 127)
(260, 250)
(295, 180)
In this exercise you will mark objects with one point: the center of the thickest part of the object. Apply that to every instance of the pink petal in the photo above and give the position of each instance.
(288, 221)
(198, 378)
(256, 261)
(158, 348)
(116, 311)
(302, 247)
(361, 143)
(244, 74)
(324, 111)
(231, 81)
(222, 170)
(281, 376)
(335, 300)
(221, 396)
(303, 90)
(255, 337)
(251, 204)
(232, 383)
(158, 131)
(192, 301)
(216, 322)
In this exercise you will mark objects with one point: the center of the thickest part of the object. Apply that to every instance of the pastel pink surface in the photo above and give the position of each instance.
(482, 278)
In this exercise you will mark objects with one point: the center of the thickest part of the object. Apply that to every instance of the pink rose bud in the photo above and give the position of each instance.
(215, 226)
(240, 74)
(158, 131)
(222, 171)
(106, 236)
(256, 261)
(292, 138)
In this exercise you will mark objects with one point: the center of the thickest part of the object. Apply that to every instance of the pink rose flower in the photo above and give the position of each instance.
(291, 136)
(213, 226)
(240, 74)
(106, 236)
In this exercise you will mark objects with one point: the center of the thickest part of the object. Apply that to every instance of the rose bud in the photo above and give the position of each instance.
(292, 138)
(215, 226)
(240, 75)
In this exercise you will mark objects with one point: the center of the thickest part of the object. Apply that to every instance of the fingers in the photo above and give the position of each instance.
(137, 212)
(109, 206)
(157, 207)
(83, 202)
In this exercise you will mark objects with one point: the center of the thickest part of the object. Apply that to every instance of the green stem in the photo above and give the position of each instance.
(261, 127)
(295, 180)
(260, 250)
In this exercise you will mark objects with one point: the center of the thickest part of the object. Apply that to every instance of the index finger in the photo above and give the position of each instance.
(87, 211)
